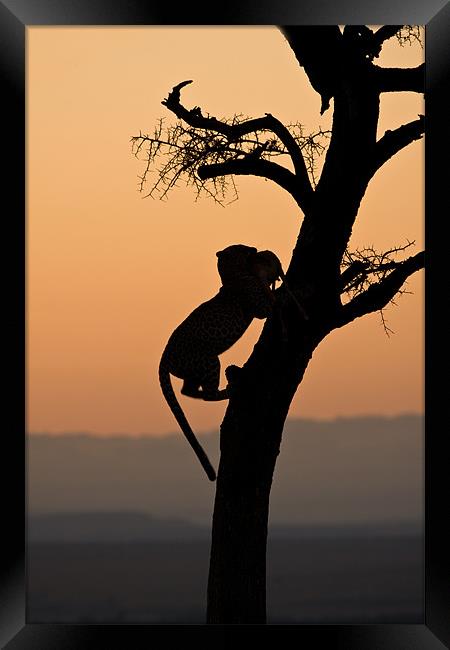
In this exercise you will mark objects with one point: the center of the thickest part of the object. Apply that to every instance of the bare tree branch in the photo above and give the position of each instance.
(384, 33)
(233, 132)
(388, 331)
(393, 141)
(353, 271)
(379, 294)
(409, 34)
(364, 266)
(400, 79)
(256, 167)
(369, 44)
(182, 150)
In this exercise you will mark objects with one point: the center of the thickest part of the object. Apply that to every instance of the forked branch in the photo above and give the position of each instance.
(207, 153)
(236, 131)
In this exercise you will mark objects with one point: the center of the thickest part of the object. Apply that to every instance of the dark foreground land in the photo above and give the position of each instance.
(313, 580)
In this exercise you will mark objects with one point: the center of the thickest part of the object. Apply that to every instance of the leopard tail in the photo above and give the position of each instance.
(169, 394)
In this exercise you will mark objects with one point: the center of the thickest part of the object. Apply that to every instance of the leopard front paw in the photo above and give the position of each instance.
(232, 373)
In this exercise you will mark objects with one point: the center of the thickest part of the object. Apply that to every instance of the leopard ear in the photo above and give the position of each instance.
(219, 253)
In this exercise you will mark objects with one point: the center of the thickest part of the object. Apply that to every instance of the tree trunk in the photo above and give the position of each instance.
(249, 444)
(237, 578)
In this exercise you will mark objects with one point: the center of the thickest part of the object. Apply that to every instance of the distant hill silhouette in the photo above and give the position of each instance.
(110, 527)
(127, 527)
(345, 471)
(119, 528)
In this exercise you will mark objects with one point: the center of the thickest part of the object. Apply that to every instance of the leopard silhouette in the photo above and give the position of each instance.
(192, 351)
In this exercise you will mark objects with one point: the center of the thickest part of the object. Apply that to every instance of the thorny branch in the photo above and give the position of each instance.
(360, 268)
(409, 34)
(373, 279)
(206, 153)
(180, 151)
(405, 34)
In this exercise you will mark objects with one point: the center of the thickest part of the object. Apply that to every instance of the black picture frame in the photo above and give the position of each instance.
(15, 16)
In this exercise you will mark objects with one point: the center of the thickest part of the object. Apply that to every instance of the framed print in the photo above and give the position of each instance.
(99, 95)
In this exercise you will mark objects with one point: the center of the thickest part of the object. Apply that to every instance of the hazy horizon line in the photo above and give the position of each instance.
(149, 517)
(209, 431)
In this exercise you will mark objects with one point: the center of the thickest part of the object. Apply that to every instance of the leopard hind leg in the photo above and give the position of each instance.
(210, 381)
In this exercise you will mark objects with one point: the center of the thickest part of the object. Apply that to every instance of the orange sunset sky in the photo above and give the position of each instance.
(110, 274)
